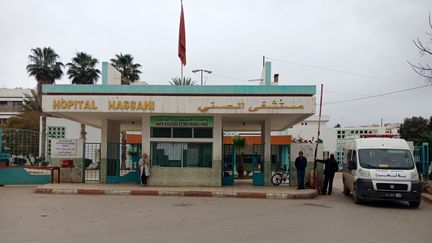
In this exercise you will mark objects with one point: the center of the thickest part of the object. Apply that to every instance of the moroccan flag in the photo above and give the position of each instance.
(182, 38)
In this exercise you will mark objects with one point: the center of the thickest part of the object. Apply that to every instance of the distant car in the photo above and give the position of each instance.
(88, 162)
(19, 161)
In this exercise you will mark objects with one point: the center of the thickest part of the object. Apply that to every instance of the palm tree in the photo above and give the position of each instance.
(184, 81)
(239, 144)
(129, 70)
(82, 70)
(31, 102)
(45, 66)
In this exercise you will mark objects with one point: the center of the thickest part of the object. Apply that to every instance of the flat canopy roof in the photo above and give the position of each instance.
(242, 107)
(203, 90)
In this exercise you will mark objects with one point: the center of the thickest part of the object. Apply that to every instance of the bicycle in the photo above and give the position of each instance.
(279, 177)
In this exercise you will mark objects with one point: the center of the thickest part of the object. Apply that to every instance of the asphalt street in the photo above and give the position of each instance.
(29, 217)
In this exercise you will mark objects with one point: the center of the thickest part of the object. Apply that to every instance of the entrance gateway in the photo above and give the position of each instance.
(180, 127)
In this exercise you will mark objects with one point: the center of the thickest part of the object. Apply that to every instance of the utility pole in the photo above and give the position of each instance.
(201, 70)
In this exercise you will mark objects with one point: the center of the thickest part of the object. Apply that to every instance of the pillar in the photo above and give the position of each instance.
(145, 138)
(266, 141)
(217, 148)
(110, 133)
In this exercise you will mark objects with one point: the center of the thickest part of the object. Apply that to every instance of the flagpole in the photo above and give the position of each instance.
(181, 74)
(315, 183)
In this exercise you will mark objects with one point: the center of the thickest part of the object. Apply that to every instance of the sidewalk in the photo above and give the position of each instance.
(237, 191)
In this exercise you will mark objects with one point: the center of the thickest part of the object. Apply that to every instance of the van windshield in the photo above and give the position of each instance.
(386, 159)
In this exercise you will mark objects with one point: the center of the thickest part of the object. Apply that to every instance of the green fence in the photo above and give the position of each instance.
(421, 157)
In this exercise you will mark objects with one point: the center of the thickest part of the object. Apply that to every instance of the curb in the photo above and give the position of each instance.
(218, 194)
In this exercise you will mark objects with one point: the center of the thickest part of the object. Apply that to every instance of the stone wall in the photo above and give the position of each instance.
(176, 176)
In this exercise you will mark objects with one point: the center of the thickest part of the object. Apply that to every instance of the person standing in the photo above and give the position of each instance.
(300, 164)
(331, 167)
(144, 165)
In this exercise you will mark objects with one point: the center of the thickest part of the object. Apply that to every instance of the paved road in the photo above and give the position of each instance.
(29, 217)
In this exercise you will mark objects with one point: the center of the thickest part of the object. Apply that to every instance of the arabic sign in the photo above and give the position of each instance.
(240, 106)
(181, 121)
(173, 105)
(63, 147)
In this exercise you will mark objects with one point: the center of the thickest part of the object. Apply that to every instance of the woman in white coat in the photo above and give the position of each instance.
(144, 166)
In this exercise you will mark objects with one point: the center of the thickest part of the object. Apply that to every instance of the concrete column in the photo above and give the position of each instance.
(217, 148)
(145, 142)
(266, 140)
(110, 133)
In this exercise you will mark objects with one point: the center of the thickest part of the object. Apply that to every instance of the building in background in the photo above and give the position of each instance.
(11, 101)
(334, 139)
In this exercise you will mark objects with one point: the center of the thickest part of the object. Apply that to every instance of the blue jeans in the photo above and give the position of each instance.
(300, 178)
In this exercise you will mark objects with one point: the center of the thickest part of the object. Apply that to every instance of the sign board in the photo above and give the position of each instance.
(181, 121)
(64, 147)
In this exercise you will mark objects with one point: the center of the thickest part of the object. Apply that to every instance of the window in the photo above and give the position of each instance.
(160, 132)
(203, 132)
(3, 103)
(168, 154)
(54, 132)
(16, 104)
(180, 132)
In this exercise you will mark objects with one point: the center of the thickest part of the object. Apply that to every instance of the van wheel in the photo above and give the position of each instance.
(356, 198)
(414, 204)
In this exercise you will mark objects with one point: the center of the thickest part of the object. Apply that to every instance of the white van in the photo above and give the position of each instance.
(381, 169)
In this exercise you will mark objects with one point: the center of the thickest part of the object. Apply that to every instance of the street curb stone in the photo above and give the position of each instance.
(220, 194)
(251, 195)
(91, 191)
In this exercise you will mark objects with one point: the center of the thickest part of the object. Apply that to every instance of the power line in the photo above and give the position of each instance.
(378, 95)
(338, 71)
(228, 77)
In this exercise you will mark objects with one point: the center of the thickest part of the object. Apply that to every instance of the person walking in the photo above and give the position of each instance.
(331, 167)
(144, 165)
(300, 164)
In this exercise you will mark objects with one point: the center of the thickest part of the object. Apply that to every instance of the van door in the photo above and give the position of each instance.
(348, 176)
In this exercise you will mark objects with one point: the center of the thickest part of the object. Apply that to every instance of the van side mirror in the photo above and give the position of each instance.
(419, 166)
(352, 165)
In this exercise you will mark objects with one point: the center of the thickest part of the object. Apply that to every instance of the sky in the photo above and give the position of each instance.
(230, 38)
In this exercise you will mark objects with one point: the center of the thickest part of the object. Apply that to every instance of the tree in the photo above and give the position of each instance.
(129, 70)
(31, 103)
(416, 129)
(82, 69)
(45, 66)
(184, 81)
(424, 69)
(239, 144)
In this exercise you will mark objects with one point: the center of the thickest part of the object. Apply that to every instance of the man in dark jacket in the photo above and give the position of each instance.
(300, 164)
(331, 166)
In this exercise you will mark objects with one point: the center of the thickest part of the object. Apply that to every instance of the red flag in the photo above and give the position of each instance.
(182, 39)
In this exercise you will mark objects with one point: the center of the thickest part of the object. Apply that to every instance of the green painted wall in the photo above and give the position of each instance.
(19, 176)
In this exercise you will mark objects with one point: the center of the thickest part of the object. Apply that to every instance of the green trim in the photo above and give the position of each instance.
(267, 75)
(104, 72)
(307, 90)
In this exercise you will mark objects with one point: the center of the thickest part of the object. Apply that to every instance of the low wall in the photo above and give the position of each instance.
(175, 176)
(70, 175)
(19, 176)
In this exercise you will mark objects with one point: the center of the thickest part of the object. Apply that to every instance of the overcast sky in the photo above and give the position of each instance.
(230, 38)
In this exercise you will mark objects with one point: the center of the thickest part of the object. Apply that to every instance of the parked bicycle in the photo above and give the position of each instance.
(279, 177)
